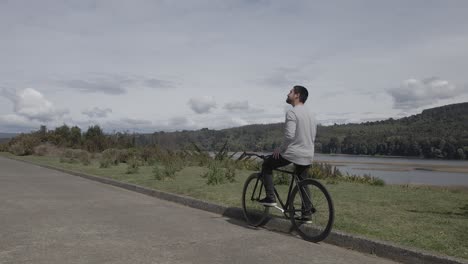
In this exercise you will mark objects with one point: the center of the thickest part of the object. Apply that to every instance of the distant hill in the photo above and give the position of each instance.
(440, 132)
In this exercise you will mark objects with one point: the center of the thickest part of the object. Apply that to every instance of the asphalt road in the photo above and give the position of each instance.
(52, 217)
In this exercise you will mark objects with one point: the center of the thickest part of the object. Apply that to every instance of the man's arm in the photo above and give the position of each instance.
(289, 133)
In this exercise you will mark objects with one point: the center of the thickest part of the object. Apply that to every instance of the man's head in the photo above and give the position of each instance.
(297, 95)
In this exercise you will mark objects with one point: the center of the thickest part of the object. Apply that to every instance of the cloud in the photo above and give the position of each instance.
(31, 104)
(178, 121)
(15, 123)
(96, 86)
(202, 105)
(135, 122)
(414, 93)
(237, 105)
(123, 124)
(114, 84)
(156, 83)
(97, 112)
(283, 77)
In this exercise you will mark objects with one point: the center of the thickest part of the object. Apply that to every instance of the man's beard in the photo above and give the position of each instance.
(288, 100)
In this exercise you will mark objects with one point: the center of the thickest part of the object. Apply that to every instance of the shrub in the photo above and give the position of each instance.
(84, 157)
(109, 157)
(158, 173)
(23, 144)
(105, 162)
(18, 149)
(47, 149)
(122, 155)
(281, 178)
(166, 172)
(230, 172)
(41, 150)
(170, 169)
(366, 179)
(215, 174)
(249, 164)
(132, 165)
(75, 155)
(148, 155)
(3, 147)
(332, 175)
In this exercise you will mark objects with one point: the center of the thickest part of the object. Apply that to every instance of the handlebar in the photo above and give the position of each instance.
(248, 154)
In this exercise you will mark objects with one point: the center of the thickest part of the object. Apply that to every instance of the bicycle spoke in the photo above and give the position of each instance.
(254, 212)
(313, 211)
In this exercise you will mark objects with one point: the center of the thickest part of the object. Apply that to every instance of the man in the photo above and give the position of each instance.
(297, 147)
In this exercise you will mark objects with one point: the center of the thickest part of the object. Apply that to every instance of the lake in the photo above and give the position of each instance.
(400, 170)
(396, 170)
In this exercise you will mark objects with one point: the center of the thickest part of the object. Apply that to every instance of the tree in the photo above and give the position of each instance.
(94, 139)
(75, 136)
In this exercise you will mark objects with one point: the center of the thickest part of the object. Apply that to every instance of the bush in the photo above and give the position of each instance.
(47, 149)
(166, 172)
(332, 175)
(18, 149)
(366, 179)
(109, 157)
(132, 165)
(23, 144)
(158, 173)
(230, 173)
(281, 178)
(215, 174)
(122, 155)
(75, 155)
(105, 162)
(249, 164)
(40, 150)
(84, 157)
(3, 147)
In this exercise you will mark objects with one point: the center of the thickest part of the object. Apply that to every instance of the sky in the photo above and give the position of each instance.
(146, 66)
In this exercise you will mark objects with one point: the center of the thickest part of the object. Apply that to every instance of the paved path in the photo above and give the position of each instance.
(52, 217)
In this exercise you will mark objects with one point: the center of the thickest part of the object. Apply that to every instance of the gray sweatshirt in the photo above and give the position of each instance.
(299, 136)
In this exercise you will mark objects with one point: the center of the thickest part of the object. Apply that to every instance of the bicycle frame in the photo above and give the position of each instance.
(295, 181)
(284, 206)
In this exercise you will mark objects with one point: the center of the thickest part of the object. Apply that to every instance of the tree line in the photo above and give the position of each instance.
(435, 133)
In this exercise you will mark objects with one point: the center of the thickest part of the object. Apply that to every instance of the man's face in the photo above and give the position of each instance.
(291, 96)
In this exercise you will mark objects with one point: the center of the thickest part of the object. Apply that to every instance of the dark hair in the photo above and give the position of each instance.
(302, 91)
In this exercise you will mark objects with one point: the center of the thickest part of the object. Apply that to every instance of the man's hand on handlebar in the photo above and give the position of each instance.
(276, 153)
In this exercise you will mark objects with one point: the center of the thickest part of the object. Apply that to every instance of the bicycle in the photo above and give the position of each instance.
(315, 230)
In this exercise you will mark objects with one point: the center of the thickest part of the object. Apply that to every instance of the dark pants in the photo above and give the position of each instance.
(301, 171)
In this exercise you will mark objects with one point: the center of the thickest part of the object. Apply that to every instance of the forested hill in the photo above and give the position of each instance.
(440, 132)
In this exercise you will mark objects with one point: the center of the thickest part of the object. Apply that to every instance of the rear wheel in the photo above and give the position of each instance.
(255, 213)
(312, 220)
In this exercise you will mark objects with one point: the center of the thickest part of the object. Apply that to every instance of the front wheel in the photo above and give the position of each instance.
(312, 212)
(255, 213)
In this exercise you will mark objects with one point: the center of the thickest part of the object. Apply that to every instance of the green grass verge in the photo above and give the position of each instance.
(429, 218)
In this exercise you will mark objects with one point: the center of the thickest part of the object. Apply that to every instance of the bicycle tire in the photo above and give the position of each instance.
(255, 213)
(323, 213)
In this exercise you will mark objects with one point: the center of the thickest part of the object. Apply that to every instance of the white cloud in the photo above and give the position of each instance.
(237, 105)
(32, 104)
(414, 93)
(95, 86)
(14, 123)
(114, 84)
(97, 112)
(202, 105)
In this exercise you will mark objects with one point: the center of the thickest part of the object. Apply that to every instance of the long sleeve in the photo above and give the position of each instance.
(299, 136)
(289, 130)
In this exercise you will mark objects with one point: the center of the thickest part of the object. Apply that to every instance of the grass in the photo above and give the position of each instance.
(429, 218)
